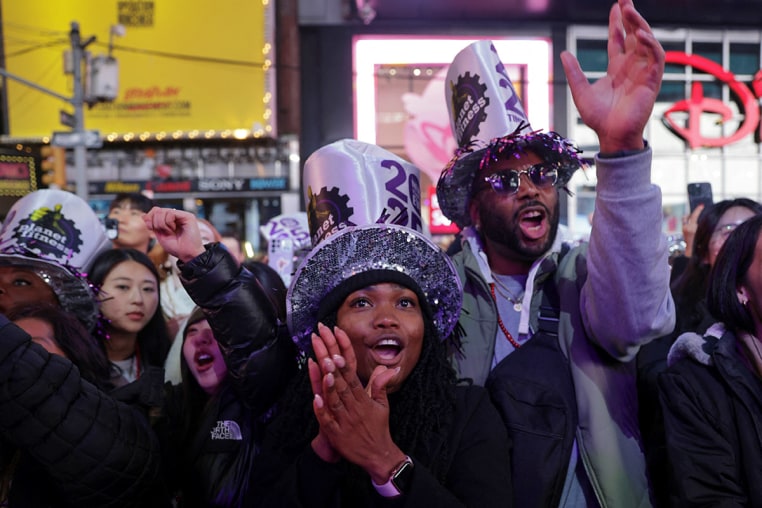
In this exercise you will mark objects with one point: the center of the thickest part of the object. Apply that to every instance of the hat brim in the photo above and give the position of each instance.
(456, 181)
(360, 249)
(72, 290)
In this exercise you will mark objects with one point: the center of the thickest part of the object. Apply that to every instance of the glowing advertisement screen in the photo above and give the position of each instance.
(183, 65)
(415, 109)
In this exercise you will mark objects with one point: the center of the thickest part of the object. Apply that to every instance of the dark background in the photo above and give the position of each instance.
(665, 12)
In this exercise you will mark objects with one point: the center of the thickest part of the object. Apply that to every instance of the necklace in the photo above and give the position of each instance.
(500, 320)
(503, 289)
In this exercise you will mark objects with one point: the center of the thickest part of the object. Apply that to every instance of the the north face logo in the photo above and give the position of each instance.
(227, 429)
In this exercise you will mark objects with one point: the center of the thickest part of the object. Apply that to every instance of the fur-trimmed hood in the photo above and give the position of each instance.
(694, 346)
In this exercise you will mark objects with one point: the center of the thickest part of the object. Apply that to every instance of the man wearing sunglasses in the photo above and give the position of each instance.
(553, 330)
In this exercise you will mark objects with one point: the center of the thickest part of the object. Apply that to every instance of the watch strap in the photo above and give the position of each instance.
(391, 488)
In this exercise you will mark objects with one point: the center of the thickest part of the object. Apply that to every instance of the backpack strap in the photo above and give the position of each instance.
(534, 392)
(550, 304)
(550, 310)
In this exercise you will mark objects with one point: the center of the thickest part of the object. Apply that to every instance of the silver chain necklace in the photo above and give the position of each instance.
(506, 293)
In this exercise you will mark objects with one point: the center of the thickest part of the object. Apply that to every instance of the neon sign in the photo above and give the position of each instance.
(696, 105)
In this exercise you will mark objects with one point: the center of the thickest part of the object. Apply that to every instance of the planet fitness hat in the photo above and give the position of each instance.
(349, 183)
(489, 124)
(363, 206)
(57, 235)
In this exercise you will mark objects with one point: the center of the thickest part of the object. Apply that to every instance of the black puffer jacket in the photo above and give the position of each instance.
(78, 445)
(212, 459)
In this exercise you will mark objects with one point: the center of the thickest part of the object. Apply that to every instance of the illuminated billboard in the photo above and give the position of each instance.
(394, 111)
(183, 65)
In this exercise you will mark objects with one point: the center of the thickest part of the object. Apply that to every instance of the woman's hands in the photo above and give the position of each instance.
(354, 420)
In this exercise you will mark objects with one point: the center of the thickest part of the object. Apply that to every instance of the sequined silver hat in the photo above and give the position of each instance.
(363, 205)
(378, 247)
(57, 235)
(489, 124)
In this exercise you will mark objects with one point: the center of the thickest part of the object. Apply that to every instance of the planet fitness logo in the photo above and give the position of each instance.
(470, 106)
(47, 232)
(327, 213)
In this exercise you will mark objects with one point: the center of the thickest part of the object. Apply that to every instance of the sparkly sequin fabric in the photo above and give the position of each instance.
(360, 249)
(71, 287)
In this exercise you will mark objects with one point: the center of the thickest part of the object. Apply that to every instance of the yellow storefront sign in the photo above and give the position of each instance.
(183, 65)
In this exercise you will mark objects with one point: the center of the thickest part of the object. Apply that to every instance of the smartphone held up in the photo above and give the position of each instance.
(699, 193)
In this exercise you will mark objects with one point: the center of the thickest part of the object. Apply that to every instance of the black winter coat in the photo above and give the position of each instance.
(478, 472)
(210, 461)
(712, 403)
(79, 446)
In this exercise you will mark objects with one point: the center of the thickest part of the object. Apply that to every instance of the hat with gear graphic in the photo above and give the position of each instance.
(364, 213)
(57, 235)
(350, 182)
(489, 124)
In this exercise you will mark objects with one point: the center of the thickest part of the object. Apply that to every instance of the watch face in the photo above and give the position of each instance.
(403, 476)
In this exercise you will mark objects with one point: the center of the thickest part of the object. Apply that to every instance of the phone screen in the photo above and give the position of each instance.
(112, 228)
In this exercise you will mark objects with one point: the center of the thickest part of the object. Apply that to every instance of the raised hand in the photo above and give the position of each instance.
(326, 363)
(690, 224)
(618, 106)
(177, 232)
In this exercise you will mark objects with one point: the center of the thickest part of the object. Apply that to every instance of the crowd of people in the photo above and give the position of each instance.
(164, 369)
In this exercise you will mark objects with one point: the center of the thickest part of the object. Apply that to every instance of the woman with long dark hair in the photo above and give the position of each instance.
(210, 436)
(711, 393)
(689, 293)
(236, 360)
(715, 223)
(132, 327)
(378, 415)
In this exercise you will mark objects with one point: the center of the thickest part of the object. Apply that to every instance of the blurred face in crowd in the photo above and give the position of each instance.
(385, 324)
(234, 247)
(133, 232)
(519, 226)
(206, 231)
(728, 222)
(129, 296)
(42, 333)
(203, 356)
(22, 286)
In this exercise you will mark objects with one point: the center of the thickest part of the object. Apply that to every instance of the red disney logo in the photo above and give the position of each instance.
(697, 104)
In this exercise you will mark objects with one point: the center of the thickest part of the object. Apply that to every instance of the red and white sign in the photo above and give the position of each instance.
(697, 104)
(438, 223)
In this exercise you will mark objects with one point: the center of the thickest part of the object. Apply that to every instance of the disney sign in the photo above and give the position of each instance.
(696, 105)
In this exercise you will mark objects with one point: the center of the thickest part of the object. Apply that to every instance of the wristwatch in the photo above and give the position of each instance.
(399, 481)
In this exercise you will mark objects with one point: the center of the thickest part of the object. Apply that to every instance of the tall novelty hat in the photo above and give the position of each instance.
(57, 235)
(489, 124)
(364, 212)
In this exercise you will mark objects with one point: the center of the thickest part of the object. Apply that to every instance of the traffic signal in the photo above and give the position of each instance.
(53, 166)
